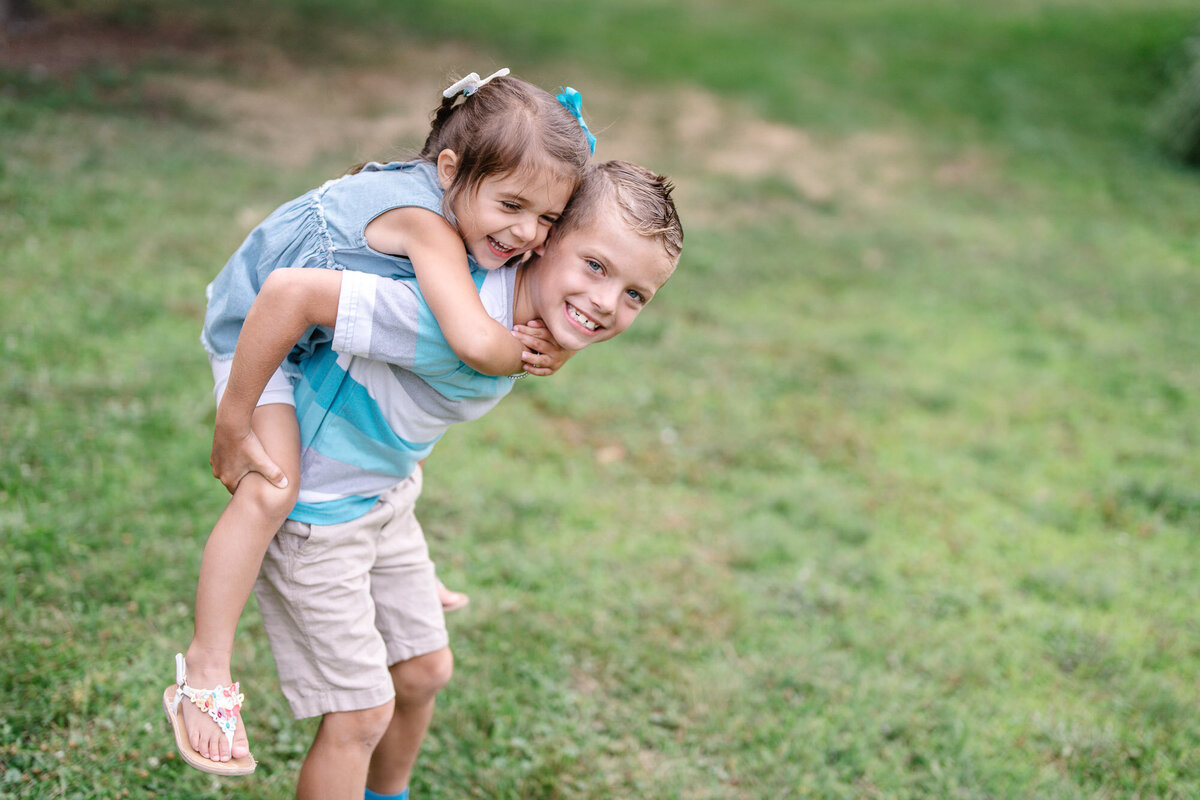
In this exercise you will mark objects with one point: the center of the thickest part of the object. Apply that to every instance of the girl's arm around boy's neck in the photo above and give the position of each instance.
(439, 260)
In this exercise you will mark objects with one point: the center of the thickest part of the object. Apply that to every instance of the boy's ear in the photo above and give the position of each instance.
(447, 168)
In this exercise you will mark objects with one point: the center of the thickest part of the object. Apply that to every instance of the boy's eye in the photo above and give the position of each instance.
(510, 206)
(547, 219)
(635, 295)
(594, 266)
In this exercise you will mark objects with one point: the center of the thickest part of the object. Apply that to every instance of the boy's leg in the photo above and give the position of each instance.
(336, 765)
(409, 617)
(228, 570)
(315, 594)
(417, 682)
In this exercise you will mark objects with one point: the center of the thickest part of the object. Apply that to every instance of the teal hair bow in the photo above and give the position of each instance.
(573, 101)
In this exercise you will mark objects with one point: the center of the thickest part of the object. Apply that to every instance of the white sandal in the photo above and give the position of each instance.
(223, 704)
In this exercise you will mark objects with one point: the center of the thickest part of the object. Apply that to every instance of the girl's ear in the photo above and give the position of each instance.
(447, 168)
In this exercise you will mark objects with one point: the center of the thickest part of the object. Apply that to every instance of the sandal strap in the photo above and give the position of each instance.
(223, 703)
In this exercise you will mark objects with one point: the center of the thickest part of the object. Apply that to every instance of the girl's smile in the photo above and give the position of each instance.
(500, 250)
(508, 215)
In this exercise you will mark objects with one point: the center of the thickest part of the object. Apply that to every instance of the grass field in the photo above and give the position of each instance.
(893, 492)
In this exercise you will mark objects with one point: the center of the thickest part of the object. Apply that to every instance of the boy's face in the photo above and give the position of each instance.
(594, 280)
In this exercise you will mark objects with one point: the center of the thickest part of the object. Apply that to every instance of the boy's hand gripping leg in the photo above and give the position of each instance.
(235, 455)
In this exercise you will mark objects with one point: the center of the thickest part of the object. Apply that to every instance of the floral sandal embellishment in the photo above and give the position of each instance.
(223, 705)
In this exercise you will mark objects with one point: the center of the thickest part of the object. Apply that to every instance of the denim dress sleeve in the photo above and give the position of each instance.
(324, 228)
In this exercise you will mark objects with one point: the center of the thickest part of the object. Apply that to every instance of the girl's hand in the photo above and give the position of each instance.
(542, 354)
(235, 455)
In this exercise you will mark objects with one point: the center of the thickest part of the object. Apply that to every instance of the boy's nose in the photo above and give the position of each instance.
(604, 300)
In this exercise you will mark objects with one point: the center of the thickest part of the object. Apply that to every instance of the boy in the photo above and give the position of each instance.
(347, 590)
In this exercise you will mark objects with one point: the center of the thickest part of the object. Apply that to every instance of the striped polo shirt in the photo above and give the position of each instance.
(374, 401)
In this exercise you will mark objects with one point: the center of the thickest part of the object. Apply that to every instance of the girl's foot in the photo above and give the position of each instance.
(207, 739)
(451, 600)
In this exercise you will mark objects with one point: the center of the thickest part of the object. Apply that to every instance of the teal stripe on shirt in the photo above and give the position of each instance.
(340, 420)
(440, 367)
(332, 512)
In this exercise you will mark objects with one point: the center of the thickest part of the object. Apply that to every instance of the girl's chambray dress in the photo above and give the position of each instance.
(324, 228)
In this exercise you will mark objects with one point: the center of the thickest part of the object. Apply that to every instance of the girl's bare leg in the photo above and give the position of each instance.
(229, 568)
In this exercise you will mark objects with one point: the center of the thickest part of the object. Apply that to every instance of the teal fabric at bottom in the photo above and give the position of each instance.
(369, 795)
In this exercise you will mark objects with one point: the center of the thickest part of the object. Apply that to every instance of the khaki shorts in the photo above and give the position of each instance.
(343, 602)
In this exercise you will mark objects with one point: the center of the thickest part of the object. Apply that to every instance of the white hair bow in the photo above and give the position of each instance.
(470, 84)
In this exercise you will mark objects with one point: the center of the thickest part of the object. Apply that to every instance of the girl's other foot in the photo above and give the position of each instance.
(451, 600)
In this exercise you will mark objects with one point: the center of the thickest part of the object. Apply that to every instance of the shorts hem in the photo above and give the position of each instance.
(422, 647)
(329, 702)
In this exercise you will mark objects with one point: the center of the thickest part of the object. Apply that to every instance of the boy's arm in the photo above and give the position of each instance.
(439, 260)
(289, 302)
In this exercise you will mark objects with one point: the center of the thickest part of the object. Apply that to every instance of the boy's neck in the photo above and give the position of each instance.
(522, 311)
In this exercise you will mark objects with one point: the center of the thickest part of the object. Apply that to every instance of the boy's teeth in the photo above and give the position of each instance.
(582, 320)
(501, 247)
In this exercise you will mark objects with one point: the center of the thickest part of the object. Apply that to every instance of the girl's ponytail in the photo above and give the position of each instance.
(442, 113)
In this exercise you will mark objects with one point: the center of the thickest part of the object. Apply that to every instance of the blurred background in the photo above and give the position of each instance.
(893, 491)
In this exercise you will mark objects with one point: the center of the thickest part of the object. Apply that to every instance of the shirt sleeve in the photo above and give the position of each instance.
(378, 318)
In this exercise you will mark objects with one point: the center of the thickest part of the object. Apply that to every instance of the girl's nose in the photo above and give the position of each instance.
(526, 228)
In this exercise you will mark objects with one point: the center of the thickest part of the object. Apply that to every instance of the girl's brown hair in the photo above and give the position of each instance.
(506, 126)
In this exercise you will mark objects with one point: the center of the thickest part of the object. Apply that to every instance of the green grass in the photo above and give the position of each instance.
(892, 500)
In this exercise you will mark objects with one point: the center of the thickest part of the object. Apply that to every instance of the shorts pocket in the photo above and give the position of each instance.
(293, 536)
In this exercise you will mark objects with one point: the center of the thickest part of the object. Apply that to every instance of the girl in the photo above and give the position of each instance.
(495, 173)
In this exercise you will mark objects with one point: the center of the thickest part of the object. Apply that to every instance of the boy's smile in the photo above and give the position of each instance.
(592, 282)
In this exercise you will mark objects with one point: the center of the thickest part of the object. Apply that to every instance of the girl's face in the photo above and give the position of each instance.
(505, 216)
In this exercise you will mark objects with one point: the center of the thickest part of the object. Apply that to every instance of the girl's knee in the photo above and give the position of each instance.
(421, 678)
(267, 500)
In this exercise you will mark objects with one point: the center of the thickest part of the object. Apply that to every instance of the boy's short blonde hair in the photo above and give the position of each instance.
(643, 197)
